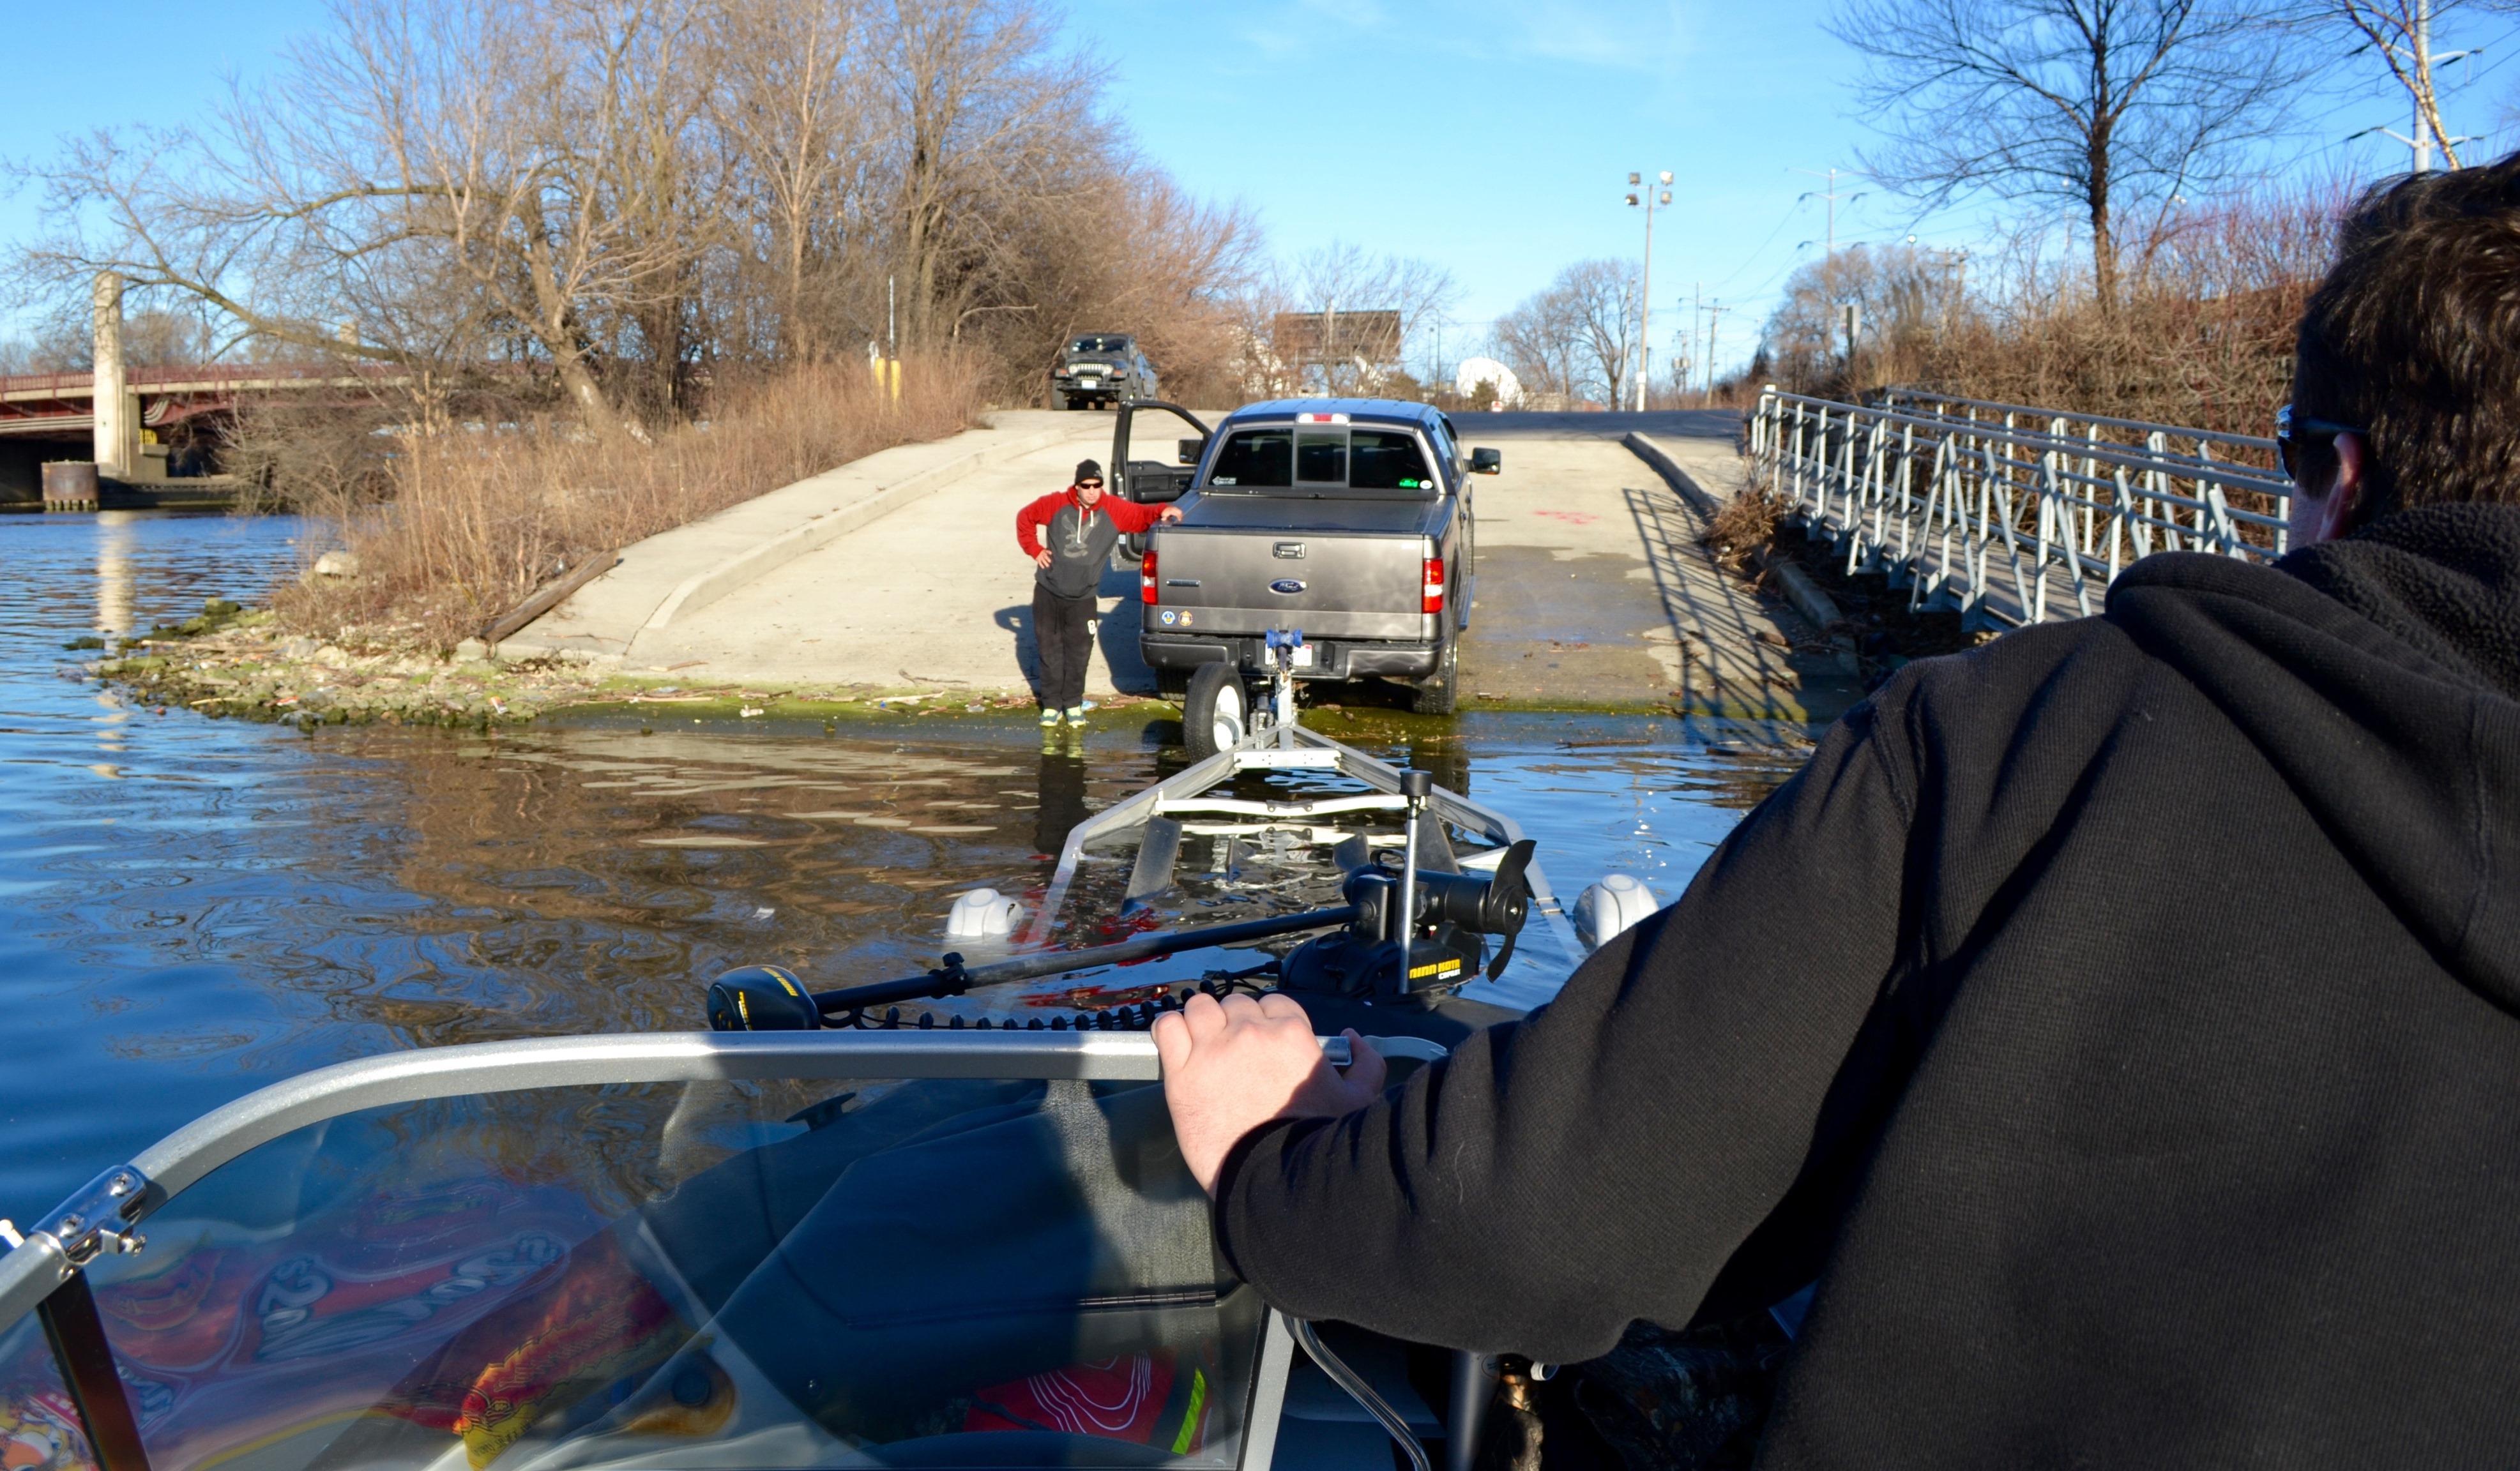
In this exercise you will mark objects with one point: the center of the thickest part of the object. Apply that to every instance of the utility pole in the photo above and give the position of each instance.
(2412, 61)
(1829, 194)
(1715, 311)
(2423, 49)
(1828, 260)
(1698, 325)
(1645, 293)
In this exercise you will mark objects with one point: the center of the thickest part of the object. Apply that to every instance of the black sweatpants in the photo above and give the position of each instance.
(1062, 629)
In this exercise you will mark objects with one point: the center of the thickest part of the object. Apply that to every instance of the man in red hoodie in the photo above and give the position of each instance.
(1069, 535)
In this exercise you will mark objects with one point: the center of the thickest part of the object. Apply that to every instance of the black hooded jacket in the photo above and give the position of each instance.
(2121, 1022)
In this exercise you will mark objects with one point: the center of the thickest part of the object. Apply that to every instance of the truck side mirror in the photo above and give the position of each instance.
(1486, 462)
(1191, 449)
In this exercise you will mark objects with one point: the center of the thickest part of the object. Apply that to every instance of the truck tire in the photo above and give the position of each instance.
(1215, 711)
(1435, 695)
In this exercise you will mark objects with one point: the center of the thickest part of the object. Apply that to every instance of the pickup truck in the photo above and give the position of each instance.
(1348, 519)
(1101, 368)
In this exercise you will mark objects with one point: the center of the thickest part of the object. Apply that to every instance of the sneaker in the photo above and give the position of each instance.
(1076, 714)
(1049, 717)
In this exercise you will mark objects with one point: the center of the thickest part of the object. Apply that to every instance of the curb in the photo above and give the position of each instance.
(1660, 462)
(1807, 598)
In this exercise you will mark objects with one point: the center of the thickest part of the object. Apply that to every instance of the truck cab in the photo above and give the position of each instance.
(1347, 520)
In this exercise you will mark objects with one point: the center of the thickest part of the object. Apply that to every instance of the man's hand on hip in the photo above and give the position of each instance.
(1231, 1066)
(1041, 558)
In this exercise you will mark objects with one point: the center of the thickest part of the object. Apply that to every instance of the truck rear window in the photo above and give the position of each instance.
(1320, 459)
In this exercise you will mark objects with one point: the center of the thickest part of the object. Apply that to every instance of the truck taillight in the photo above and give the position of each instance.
(1432, 595)
(1147, 577)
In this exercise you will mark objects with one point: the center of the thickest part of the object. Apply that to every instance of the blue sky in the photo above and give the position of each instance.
(1491, 137)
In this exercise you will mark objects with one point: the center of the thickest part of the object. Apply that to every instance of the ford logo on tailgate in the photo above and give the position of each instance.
(1286, 585)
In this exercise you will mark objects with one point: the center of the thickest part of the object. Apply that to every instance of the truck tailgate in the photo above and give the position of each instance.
(1330, 584)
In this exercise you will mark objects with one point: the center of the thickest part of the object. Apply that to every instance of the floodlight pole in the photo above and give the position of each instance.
(1645, 297)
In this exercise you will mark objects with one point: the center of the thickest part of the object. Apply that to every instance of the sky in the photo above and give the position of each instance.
(1491, 137)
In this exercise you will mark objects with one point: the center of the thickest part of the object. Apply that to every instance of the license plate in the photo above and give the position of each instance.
(1303, 656)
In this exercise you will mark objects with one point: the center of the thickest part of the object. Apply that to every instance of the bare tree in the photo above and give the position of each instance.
(617, 202)
(1345, 277)
(1578, 338)
(2402, 33)
(791, 111)
(2107, 106)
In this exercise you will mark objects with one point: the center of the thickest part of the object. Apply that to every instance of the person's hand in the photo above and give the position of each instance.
(1041, 558)
(1170, 514)
(1231, 1066)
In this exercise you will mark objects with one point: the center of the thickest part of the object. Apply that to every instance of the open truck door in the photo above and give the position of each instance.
(1151, 482)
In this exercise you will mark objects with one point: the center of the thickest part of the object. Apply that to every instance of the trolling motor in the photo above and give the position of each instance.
(1363, 957)
(1417, 935)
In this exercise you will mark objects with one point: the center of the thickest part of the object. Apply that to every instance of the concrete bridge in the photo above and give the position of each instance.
(154, 432)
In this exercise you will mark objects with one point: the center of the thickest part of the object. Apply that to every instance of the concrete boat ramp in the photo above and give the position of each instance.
(899, 574)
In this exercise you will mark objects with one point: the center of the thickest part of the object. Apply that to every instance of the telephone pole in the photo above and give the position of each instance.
(2411, 60)
(1697, 323)
(1715, 311)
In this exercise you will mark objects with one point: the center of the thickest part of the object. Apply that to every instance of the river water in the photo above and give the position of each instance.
(198, 906)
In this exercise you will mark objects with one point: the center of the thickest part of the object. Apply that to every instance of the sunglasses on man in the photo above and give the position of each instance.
(2294, 429)
(1089, 485)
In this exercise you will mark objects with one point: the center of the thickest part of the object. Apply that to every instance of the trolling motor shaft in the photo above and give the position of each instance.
(769, 999)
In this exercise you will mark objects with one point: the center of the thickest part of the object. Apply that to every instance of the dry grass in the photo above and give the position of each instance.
(1744, 524)
(471, 519)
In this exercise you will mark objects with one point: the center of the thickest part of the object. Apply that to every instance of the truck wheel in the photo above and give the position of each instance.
(1435, 694)
(1215, 713)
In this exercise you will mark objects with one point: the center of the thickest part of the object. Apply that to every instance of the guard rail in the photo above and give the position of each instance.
(2011, 514)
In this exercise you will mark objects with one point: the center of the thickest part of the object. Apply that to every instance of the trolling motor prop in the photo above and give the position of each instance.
(1417, 935)
(1366, 957)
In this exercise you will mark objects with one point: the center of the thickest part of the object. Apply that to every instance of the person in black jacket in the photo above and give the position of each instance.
(2119, 1024)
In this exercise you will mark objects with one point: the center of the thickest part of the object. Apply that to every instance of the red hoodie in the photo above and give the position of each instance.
(1126, 517)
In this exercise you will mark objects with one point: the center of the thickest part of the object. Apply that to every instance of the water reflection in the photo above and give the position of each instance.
(203, 906)
(113, 576)
(1060, 792)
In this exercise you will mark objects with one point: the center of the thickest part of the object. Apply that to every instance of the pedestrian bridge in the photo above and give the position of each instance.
(2008, 513)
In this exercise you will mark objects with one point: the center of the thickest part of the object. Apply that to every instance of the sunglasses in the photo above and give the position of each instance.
(1089, 485)
(2293, 431)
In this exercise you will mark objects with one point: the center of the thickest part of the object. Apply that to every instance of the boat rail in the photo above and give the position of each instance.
(46, 1272)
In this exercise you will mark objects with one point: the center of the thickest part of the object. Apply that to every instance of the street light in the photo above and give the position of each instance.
(1649, 198)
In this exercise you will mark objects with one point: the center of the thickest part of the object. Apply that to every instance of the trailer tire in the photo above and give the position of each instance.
(1437, 693)
(1215, 710)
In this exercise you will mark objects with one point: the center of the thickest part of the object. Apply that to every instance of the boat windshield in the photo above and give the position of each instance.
(1330, 459)
(880, 1271)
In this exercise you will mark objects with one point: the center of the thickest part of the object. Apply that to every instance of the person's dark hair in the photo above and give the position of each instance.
(2415, 337)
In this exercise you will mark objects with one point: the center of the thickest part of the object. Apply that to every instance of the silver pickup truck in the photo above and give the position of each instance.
(1348, 519)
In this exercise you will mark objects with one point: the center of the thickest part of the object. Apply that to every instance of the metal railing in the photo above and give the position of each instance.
(2010, 513)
